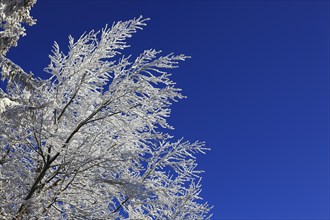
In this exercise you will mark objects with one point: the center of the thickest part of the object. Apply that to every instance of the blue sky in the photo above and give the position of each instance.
(257, 87)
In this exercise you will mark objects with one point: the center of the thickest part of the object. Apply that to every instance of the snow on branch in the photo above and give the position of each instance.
(13, 13)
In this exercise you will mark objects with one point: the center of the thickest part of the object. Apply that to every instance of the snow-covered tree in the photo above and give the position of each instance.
(89, 141)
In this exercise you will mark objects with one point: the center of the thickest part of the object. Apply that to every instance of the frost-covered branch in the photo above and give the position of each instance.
(13, 13)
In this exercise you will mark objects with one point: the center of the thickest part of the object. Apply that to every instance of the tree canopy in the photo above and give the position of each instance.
(89, 142)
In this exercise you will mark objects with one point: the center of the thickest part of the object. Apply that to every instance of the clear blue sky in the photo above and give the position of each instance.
(257, 87)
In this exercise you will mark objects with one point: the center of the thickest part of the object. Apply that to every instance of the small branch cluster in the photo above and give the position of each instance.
(12, 14)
